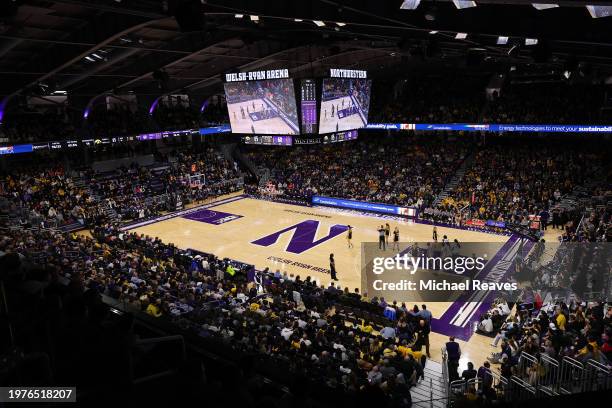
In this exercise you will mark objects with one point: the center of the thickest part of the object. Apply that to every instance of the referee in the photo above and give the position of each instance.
(381, 238)
(349, 236)
(332, 267)
(387, 233)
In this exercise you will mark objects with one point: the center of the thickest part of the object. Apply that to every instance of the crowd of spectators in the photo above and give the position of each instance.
(578, 330)
(510, 182)
(298, 323)
(407, 171)
(49, 197)
(292, 321)
(282, 318)
(186, 176)
(529, 341)
(505, 181)
(595, 225)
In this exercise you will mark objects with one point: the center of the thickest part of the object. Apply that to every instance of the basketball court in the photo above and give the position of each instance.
(259, 116)
(346, 119)
(298, 240)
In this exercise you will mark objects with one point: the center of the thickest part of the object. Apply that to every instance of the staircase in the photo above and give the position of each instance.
(455, 180)
(244, 161)
(110, 212)
(430, 392)
(263, 175)
(228, 151)
(580, 196)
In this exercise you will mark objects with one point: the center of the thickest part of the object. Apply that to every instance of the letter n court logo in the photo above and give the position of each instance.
(303, 237)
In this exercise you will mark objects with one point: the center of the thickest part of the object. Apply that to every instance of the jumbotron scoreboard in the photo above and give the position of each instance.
(265, 103)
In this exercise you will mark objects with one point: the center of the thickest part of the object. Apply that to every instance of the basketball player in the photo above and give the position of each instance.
(387, 233)
(435, 234)
(396, 239)
(349, 236)
(332, 115)
(332, 267)
(381, 238)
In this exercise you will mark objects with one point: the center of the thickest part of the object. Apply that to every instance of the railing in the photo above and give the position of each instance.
(598, 376)
(571, 379)
(521, 390)
(500, 386)
(492, 387)
(458, 389)
(445, 377)
(579, 226)
(549, 382)
(526, 365)
(536, 377)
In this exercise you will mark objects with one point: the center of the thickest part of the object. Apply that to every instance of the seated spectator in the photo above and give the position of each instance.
(469, 373)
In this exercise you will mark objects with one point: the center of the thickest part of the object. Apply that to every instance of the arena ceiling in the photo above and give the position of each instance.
(94, 47)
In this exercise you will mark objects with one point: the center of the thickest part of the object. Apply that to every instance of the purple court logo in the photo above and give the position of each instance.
(303, 237)
(212, 217)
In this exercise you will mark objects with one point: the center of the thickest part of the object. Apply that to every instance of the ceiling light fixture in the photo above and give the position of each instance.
(463, 4)
(544, 6)
(410, 4)
(502, 40)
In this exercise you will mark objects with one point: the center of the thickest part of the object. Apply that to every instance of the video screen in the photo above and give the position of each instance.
(262, 107)
(345, 104)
